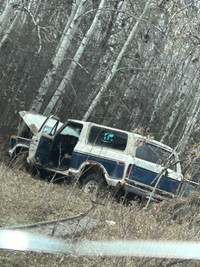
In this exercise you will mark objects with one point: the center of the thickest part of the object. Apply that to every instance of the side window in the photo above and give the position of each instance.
(47, 129)
(108, 138)
(155, 154)
(72, 129)
(49, 126)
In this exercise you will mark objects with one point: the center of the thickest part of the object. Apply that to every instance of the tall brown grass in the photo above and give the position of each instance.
(29, 199)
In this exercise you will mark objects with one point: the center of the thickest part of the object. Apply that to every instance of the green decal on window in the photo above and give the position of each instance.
(108, 137)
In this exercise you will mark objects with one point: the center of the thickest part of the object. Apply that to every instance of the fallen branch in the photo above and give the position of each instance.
(45, 222)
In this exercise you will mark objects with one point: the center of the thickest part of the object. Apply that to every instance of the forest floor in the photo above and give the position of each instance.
(27, 199)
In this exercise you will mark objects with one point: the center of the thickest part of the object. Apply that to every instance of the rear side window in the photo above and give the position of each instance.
(155, 154)
(108, 138)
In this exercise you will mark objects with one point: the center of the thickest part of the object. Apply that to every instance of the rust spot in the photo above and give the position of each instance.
(149, 188)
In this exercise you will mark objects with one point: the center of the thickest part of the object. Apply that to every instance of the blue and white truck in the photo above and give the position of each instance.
(99, 155)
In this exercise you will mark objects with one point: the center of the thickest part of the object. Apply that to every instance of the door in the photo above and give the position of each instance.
(42, 140)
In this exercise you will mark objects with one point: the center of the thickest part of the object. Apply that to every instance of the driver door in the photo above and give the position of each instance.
(41, 142)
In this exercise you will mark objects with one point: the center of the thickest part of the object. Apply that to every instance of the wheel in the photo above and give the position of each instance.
(93, 183)
(19, 161)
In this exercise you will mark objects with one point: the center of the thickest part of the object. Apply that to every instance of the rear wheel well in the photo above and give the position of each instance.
(91, 169)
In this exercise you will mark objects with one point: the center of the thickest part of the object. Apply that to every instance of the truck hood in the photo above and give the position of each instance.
(34, 121)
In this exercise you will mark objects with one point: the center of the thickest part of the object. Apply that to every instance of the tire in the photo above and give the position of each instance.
(19, 162)
(93, 183)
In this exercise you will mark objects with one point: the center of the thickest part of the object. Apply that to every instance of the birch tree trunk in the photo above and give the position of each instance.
(70, 20)
(7, 32)
(172, 118)
(115, 65)
(59, 57)
(190, 125)
(193, 115)
(68, 76)
(164, 92)
(186, 81)
(5, 17)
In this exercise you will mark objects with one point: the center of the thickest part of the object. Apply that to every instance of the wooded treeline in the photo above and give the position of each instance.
(122, 63)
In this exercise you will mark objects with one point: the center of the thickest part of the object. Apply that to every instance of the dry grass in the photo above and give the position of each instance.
(25, 199)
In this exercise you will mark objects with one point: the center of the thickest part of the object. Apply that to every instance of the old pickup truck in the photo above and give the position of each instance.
(97, 156)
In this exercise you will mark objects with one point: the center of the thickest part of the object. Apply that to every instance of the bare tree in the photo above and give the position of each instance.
(66, 38)
(75, 61)
(6, 16)
(10, 28)
(113, 71)
(188, 78)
